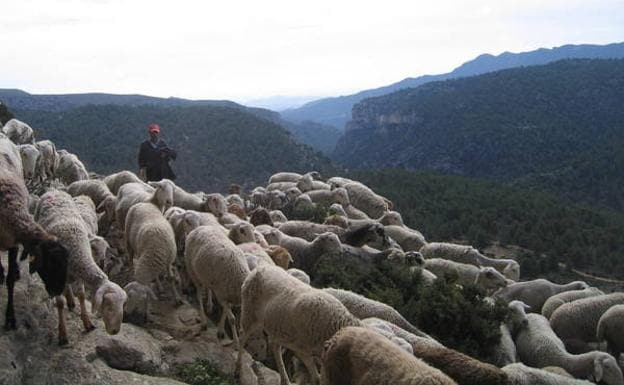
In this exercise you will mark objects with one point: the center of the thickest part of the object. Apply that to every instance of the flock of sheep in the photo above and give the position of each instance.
(242, 250)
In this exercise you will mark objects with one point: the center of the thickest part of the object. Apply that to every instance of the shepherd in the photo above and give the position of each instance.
(154, 157)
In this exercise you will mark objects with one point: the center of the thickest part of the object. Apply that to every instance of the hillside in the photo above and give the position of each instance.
(504, 125)
(481, 213)
(216, 145)
(336, 111)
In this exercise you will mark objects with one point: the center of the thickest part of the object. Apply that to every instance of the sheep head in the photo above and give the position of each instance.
(607, 370)
(329, 243)
(216, 204)
(49, 259)
(414, 258)
(517, 318)
(512, 270)
(242, 232)
(341, 196)
(490, 278)
(163, 193)
(391, 218)
(109, 302)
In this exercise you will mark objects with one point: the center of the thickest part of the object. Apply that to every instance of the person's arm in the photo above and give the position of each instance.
(169, 152)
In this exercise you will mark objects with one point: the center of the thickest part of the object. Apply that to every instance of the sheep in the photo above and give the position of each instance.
(408, 239)
(280, 256)
(360, 356)
(300, 275)
(487, 278)
(328, 197)
(216, 204)
(303, 184)
(372, 255)
(534, 293)
(366, 200)
(115, 181)
(238, 211)
(70, 168)
(363, 307)
(391, 218)
(292, 194)
(18, 227)
(277, 217)
(610, 328)
(241, 232)
(307, 230)
(464, 369)
(260, 216)
(355, 213)
(158, 193)
(538, 346)
(215, 263)
(151, 241)
(188, 201)
(520, 374)
(137, 307)
(58, 214)
(101, 196)
(336, 181)
(505, 351)
(103, 255)
(291, 176)
(86, 208)
(304, 253)
(235, 199)
(48, 159)
(470, 255)
(578, 320)
(19, 132)
(292, 313)
(30, 157)
(553, 303)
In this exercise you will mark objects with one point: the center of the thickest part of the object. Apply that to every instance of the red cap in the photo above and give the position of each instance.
(153, 128)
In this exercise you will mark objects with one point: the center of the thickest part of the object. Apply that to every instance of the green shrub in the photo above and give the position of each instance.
(202, 372)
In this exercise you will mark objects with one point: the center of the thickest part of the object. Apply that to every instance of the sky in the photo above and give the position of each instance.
(243, 50)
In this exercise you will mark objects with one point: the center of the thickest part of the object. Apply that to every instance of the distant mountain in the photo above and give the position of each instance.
(535, 124)
(320, 137)
(278, 103)
(337, 111)
(216, 145)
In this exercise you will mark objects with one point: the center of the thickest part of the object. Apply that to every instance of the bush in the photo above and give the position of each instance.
(459, 318)
(202, 372)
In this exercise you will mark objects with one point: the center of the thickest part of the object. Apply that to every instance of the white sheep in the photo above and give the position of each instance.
(363, 307)
(70, 168)
(487, 278)
(360, 356)
(328, 197)
(101, 196)
(188, 201)
(86, 208)
(17, 227)
(611, 329)
(337, 181)
(470, 255)
(307, 230)
(303, 184)
(306, 253)
(115, 181)
(19, 132)
(48, 160)
(215, 263)
(293, 314)
(30, 156)
(151, 242)
(58, 214)
(538, 346)
(408, 239)
(277, 216)
(300, 275)
(553, 303)
(578, 320)
(365, 199)
(158, 193)
(534, 293)
(292, 176)
(520, 374)
(504, 352)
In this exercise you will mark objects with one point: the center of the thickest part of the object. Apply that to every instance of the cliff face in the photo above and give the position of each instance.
(502, 125)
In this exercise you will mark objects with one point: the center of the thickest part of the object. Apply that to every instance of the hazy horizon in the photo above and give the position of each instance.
(252, 52)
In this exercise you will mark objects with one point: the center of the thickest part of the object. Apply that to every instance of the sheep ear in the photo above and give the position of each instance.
(526, 307)
(598, 372)
(153, 184)
(97, 300)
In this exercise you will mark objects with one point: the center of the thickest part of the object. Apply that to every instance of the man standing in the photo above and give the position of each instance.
(154, 157)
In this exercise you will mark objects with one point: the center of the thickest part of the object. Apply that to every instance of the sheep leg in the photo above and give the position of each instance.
(171, 276)
(232, 321)
(84, 315)
(9, 322)
(62, 327)
(1, 273)
(245, 334)
(69, 296)
(221, 325)
(279, 360)
(202, 312)
(308, 361)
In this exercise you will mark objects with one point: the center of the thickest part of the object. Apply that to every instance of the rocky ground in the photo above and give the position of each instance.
(147, 354)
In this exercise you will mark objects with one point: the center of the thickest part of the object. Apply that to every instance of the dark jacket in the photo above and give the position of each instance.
(155, 159)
